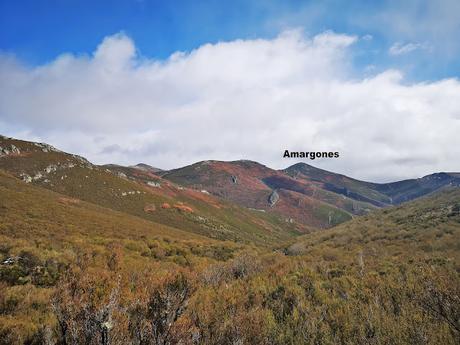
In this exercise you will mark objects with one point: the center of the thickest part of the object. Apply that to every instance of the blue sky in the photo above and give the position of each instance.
(37, 31)
(169, 83)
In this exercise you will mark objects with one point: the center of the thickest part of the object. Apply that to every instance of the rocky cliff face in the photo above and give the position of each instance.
(273, 198)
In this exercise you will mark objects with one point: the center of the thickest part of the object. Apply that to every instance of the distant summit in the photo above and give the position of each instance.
(146, 167)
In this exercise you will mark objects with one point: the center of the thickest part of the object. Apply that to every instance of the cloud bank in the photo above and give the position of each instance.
(248, 99)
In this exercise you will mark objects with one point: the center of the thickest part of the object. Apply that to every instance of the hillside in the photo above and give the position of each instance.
(239, 200)
(302, 192)
(377, 194)
(428, 228)
(254, 185)
(74, 272)
(43, 233)
(141, 193)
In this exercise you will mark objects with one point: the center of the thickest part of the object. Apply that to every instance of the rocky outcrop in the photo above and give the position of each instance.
(51, 168)
(46, 148)
(48, 170)
(130, 192)
(273, 198)
(9, 150)
(153, 184)
(26, 178)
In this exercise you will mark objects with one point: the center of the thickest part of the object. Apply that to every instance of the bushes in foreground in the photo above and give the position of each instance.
(256, 300)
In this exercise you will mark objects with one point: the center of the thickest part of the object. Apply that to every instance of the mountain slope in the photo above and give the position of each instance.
(302, 192)
(256, 186)
(239, 200)
(426, 227)
(378, 194)
(407, 190)
(337, 183)
(141, 193)
(387, 277)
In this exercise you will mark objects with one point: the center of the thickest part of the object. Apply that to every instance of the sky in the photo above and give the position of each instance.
(170, 83)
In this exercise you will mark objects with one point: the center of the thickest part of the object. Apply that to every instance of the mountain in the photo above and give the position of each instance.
(377, 194)
(407, 190)
(146, 167)
(339, 184)
(209, 254)
(239, 200)
(302, 192)
(74, 271)
(428, 226)
(141, 193)
(256, 186)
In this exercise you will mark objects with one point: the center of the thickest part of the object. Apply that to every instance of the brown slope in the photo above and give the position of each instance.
(140, 193)
(377, 194)
(428, 227)
(254, 185)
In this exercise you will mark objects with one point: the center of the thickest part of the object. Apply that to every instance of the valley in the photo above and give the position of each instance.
(222, 253)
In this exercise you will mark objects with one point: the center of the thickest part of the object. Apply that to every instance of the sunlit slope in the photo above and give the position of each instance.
(144, 195)
(43, 233)
(56, 227)
(254, 185)
(29, 212)
(426, 228)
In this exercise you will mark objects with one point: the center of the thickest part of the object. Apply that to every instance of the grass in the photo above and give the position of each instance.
(210, 217)
(71, 267)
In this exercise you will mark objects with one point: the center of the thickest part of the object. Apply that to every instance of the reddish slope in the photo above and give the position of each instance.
(140, 193)
(253, 185)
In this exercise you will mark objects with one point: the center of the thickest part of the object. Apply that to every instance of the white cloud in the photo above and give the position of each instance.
(241, 99)
(400, 48)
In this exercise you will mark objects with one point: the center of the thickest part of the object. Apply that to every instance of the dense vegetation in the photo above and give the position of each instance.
(90, 256)
(76, 273)
(127, 190)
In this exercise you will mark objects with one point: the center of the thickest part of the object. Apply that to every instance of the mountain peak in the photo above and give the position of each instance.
(146, 167)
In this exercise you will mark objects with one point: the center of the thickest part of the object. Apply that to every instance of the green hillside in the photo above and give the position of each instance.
(143, 195)
(73, 272)
(425, 228)
(120, 255)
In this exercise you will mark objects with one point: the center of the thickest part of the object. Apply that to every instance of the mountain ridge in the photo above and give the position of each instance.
(300, 194)
(77, 239)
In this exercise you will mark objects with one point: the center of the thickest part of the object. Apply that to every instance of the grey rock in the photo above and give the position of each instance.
(26, 178)
(6, 151)
(273, 198)
(153, 184)
(51, 168)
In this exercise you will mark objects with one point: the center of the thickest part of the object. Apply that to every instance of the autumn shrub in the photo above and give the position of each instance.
(240, 267)
(152, 321)
(13, 274)
(86, 306)
(438, 294)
